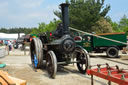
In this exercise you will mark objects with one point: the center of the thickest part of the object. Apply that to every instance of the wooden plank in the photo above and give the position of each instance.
(5, 79)
(17, 81)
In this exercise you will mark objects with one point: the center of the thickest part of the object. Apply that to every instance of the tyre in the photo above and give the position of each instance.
(112, 52)
(36, 50)
(51, 64)
(15, 46)
(83, 60)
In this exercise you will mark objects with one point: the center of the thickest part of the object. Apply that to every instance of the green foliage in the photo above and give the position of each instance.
(4, 30)
(114, 25)
(124, 21)
(83, 15)
(50, 27)
(34, 31)
(46, 27)
(16, 30)
(122, 26)
(102, 26)
(42, 28)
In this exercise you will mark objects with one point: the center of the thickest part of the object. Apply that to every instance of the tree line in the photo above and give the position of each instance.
(85, 15)
(17, 30)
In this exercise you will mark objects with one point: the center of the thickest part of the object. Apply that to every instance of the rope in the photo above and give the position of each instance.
(98, 36)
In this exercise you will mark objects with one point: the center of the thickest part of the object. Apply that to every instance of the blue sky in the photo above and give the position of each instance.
(28, 13)
(118, 9)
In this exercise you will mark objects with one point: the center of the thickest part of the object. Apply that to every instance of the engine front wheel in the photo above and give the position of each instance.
(51, 64)
(83, 61)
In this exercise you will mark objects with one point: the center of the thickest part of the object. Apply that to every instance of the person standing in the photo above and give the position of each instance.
(10, 45)
(6, 42)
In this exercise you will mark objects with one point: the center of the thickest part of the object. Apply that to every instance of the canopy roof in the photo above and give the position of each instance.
(5, 36)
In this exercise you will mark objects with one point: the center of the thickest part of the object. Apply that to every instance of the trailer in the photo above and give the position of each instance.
(111, 43)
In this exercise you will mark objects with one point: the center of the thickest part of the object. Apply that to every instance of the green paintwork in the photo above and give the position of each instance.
(85, 43)
(93, 42)
(34, 35)
(103, 42)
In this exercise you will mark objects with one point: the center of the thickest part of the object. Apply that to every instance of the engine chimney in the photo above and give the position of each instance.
(65, 17)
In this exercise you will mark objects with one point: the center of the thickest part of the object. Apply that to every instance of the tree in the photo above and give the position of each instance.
(114, 25)
(123, 24)
(17, 30)
(3, 30)
(46, 27)
(124, 21)
(83, 15)
(34, 31)
(102, 26)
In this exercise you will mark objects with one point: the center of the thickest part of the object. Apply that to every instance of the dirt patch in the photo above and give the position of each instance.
(20, 67)
(65, 76)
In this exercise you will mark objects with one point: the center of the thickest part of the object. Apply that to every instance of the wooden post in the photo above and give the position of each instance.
(24, 49)
(8, 49)
(109, 82)
(92, 80)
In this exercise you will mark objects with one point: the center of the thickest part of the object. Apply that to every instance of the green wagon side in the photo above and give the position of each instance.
(93, 43)
(99, 42)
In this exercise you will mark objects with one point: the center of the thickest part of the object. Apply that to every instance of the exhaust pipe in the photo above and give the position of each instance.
(65, 17)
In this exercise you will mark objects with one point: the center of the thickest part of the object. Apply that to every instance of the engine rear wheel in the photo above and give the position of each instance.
(83, 59)
(36, 49)
(51, 63)
(112, 52)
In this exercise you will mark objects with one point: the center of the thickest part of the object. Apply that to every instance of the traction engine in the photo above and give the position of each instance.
(58, 48)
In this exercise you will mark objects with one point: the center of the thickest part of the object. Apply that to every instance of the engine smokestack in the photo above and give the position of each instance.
(65, 17)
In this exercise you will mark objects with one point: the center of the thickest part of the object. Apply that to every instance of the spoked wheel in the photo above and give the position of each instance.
(51, 63)
(82, 57)
(36, 49)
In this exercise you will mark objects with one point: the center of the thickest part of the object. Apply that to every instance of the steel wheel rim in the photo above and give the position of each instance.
(36, 50)
(33, 52)
(82, 64)
(82, 58)
(51, 64)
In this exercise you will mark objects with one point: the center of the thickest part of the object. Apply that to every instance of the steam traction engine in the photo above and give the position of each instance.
(58, 48)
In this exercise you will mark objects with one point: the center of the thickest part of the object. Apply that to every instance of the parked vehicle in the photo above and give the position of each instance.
(99, 45)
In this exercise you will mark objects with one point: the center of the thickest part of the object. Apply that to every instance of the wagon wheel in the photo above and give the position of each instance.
(51, 63)
(36, 49)
(83, 60)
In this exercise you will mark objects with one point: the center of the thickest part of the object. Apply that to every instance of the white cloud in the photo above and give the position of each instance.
(4, 6)
(52, 7)
(32, 3)
(21, 13)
